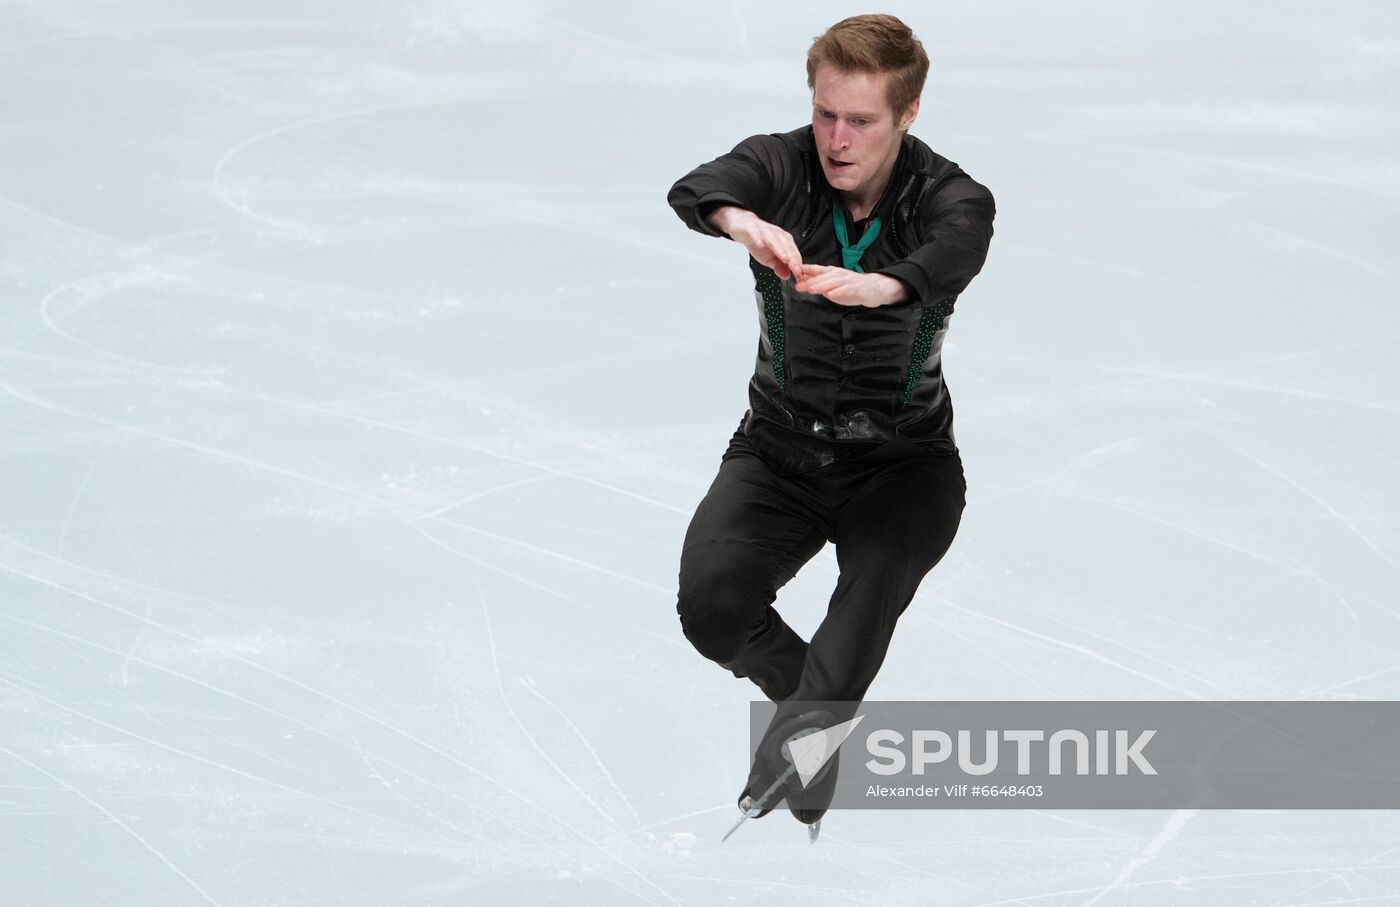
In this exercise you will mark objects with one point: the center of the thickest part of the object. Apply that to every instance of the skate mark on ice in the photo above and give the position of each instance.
(216, 178)
(369, 762)
(1196, 376)
(115, 282)
(1370, 190)
(534, 744)
(1196, 533)
(412, 512)
(1080, 649)
(583, 738)
(347, 706)
(881, 851)
(174, 25)
(1338, 875)
(1284, 565)
(1184, 882)
(285, 404)
(1147, 854)
(1008, 666)
(520, 578)
(1316, 246)
(117, 820)
(468, 835)
(1093, 655)
(290, 720)
(1314, 497)
(182, 597)
(249, 776)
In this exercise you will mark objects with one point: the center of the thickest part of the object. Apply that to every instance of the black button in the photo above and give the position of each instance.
(848, 349)
(842, 421)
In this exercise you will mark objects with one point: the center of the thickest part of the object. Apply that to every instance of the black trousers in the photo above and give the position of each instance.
(892, 514)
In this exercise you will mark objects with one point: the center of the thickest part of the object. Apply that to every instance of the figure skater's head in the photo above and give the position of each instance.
(866, 74)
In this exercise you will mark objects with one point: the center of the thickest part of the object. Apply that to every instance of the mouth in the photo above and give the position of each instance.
(837, 165)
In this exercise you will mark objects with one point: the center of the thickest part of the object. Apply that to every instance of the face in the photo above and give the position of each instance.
(857, 134)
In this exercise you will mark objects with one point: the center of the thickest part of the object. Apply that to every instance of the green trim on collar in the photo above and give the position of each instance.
(850, 255)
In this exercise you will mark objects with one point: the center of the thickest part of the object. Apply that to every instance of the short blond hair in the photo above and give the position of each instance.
(874, 43)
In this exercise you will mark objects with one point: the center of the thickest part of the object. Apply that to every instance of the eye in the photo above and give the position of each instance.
(825, 114)
(861, 121)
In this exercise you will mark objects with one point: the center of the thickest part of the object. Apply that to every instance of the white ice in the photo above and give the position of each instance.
(357, 385)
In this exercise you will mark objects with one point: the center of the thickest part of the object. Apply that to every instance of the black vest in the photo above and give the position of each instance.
(833, 381)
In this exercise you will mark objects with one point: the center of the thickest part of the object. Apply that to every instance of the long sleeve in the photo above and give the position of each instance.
(747, 176)
(956, 226)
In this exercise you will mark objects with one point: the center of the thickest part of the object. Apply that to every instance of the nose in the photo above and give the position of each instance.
(840, 135)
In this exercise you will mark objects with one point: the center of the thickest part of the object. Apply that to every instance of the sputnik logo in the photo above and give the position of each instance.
(811, 751)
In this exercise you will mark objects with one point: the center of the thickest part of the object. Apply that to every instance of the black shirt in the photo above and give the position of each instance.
(832, 381)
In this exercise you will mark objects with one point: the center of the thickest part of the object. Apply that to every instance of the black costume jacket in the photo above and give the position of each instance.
(833, 381)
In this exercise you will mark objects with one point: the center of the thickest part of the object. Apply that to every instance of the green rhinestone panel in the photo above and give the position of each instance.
(770, 290)
(930, 323)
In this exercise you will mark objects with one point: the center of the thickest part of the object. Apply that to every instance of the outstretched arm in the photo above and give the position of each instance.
(851, 287)
(749, 177)
(956, 226)
(770, 245)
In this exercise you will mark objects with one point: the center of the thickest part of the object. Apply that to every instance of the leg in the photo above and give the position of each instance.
(748, 537)
(889, 535)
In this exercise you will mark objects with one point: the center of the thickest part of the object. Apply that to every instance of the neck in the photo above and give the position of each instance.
(861, 207)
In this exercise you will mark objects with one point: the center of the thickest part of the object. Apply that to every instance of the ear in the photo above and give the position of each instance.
(908, 119)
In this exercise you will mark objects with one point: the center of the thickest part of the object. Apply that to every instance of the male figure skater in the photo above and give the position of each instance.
(860, 239)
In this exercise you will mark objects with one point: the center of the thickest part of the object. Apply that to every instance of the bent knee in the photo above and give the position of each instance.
(720, 604)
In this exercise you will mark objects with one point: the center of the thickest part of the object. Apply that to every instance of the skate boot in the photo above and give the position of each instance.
(746, 804)
(807, 802)
(759, 793)
(794, 747)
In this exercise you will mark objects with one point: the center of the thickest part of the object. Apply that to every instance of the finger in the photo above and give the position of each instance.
(769, 258)
(813, 273)
(842, 296)
(794, 259)
(791, 255)
(777, 257)
(825, 284)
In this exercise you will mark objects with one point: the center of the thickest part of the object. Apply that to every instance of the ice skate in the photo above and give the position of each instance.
(809, 802)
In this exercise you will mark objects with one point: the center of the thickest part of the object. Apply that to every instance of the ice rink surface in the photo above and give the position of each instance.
(357, 385)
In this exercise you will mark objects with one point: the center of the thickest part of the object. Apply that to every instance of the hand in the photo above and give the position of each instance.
(850, 287)
(771, 246)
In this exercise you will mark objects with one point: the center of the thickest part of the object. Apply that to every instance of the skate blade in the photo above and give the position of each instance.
(813, 830)
(751, 811)
(748, 814)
